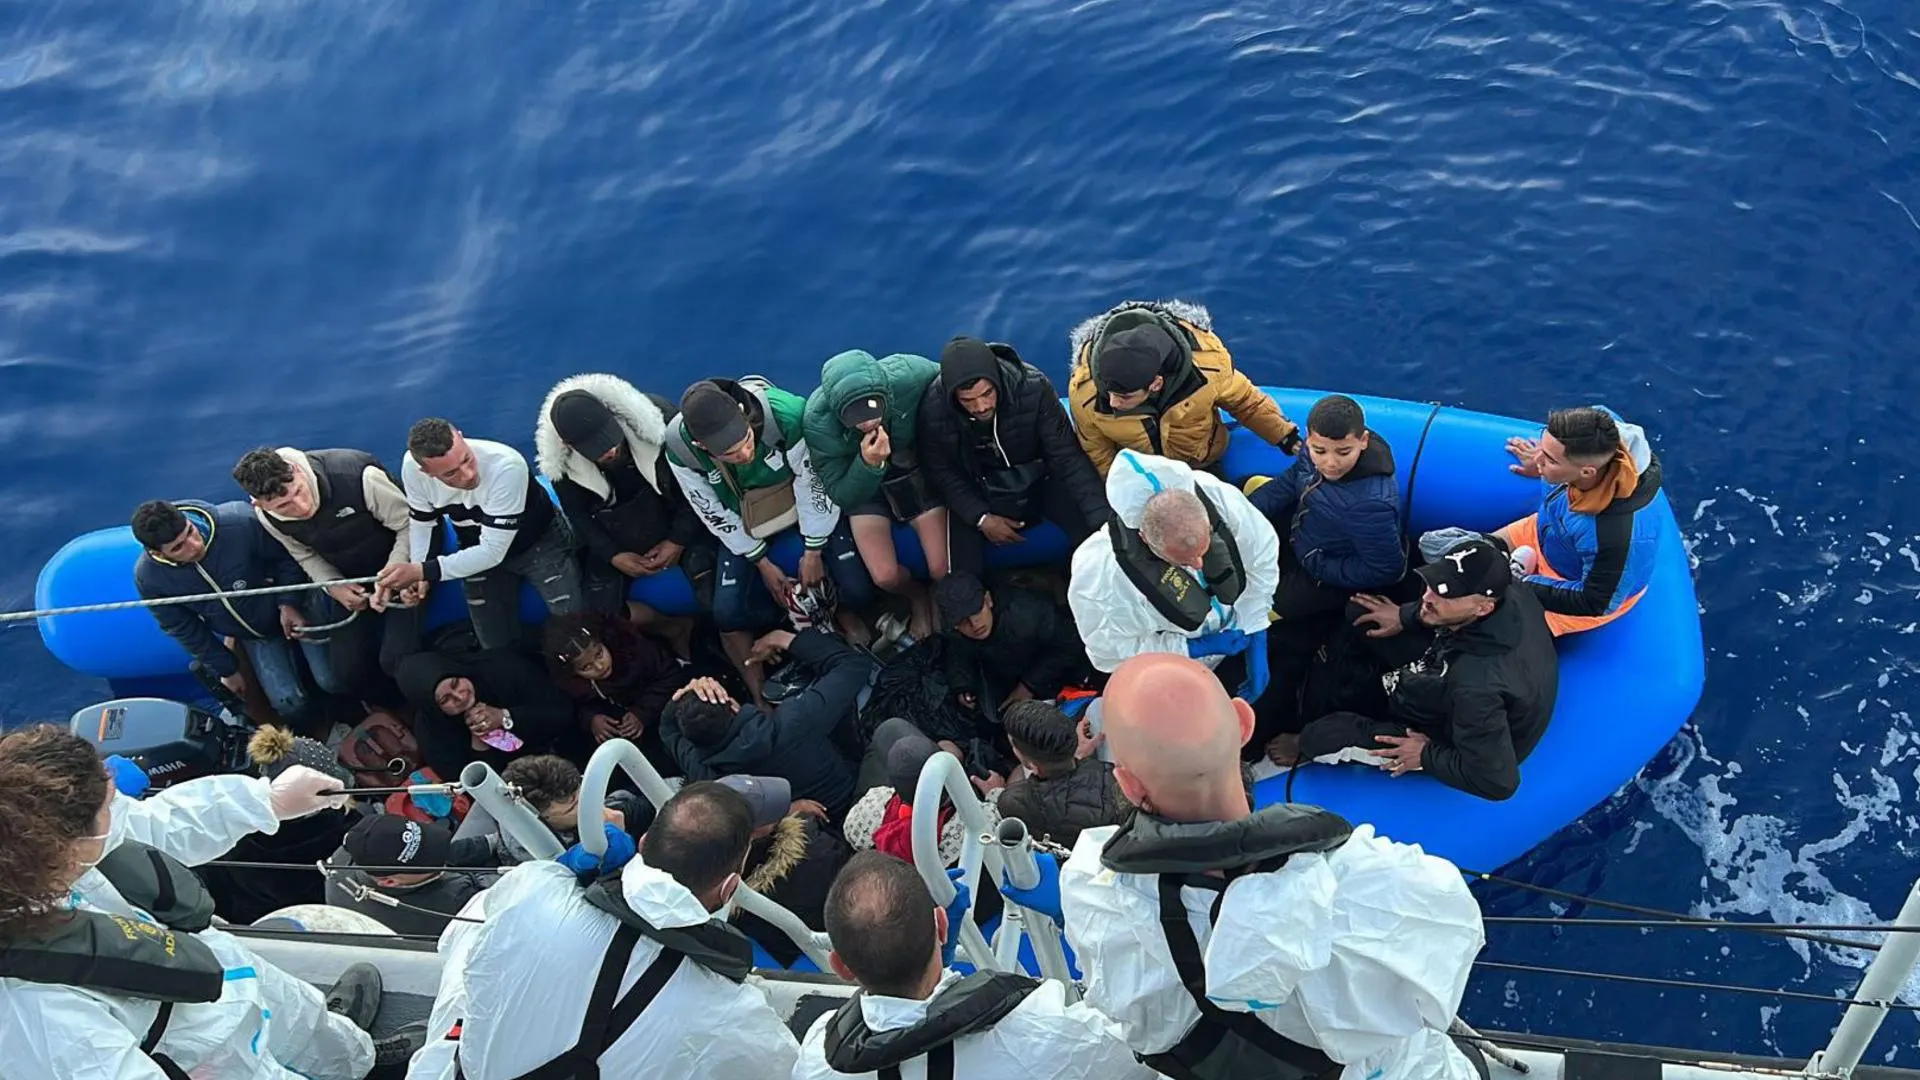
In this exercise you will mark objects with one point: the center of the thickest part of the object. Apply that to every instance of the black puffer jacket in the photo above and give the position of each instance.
(1029, 425)
(1033, 641)
(1058, 808)
(1483, 693)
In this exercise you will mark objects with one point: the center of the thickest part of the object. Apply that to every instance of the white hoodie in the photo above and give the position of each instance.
(1114, 618)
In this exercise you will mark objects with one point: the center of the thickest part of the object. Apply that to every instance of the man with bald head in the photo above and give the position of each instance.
(1185, 566)
(888, 936)
(1232, 942)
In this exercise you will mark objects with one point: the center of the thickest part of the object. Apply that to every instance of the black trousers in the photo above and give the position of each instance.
(364, 652)
(1309, 614)
(967, 545)
(1345, 698)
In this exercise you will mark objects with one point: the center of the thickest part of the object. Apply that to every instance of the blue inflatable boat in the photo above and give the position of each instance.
(1625, 688)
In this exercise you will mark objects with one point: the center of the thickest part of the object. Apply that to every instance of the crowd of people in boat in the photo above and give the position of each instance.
(1203, 626)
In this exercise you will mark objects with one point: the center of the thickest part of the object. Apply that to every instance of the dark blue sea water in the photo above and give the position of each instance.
(223, 223)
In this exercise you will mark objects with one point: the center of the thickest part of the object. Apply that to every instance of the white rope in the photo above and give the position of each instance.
(122, 605)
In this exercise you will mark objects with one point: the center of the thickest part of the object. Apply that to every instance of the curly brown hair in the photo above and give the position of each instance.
(51, 788)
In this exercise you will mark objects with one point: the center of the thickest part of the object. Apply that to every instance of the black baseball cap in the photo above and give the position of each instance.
(396, 840)
(864, 408)
(959, 596)
(1473, 568)
(713, 418)
(585, 424)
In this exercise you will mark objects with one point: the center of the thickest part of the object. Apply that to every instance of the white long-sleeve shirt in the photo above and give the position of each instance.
(506, 514)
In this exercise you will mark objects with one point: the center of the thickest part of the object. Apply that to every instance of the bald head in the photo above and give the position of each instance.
(1174, 524)
(1175, 735)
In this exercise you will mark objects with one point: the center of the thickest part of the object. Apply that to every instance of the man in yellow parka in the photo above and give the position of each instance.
(1150, 375)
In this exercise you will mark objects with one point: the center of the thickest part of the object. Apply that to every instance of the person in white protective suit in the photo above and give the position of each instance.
(1188, 567)
(108, 967)
(1281, 943)
(890, 937)
(633, 975)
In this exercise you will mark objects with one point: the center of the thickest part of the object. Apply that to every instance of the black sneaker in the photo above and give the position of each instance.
(399, 1047)
(357, 995)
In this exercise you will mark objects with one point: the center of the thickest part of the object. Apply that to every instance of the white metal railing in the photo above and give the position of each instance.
(620, 753)
(1889, 971)
(515, 818)
(980, 850)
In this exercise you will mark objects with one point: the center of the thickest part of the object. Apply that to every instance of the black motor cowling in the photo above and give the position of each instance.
(170, 740)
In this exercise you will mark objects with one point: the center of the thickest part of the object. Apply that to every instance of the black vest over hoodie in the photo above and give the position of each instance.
(974, 1003)
(713, 945)
(343, 530)
(1171, 589)
(1222, 1045)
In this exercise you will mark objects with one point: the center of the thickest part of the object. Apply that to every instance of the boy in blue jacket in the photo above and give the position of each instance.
(193, 548)
(1338, 512)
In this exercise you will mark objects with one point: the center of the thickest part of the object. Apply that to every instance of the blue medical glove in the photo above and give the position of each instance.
(129, 778)
(1044, 897)
(587, 866)
(1220, 643)
(957, 911)
(1257, 676)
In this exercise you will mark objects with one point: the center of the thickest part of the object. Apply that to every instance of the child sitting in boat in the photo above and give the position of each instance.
(1337, 511)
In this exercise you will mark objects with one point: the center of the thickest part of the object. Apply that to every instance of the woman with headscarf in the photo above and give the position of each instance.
(109, 965)
(492, 706)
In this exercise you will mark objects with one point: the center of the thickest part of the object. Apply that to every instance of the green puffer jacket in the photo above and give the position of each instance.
(835, 448)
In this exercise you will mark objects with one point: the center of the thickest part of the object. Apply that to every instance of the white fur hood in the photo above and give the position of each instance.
(642, 421)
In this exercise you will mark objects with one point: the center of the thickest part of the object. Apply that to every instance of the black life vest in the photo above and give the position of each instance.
(714, 945)
(1222, 1045)
(343, 530)
(92, 950)
(972, 1004)
(1171, 589)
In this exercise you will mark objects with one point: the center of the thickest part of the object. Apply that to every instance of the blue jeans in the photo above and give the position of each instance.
(741, 600)
(276, 663)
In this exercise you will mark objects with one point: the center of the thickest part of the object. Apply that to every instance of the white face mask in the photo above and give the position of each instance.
(87, 866)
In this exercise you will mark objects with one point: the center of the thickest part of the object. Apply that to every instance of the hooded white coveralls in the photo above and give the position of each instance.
(1043, 1038)
(267, 1024)
(1114, 618)
(1363, 952)
(519, 984)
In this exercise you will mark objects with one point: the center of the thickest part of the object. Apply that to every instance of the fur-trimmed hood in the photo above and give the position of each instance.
(1184, 310)
(643, 422)
(786, 849)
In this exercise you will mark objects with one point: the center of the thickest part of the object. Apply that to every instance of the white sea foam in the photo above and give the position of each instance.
(1780, 869)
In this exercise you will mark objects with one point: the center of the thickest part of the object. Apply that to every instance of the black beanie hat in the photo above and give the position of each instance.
(1131, 359)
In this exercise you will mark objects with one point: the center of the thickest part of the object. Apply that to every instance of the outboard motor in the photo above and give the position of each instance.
(170, 740)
